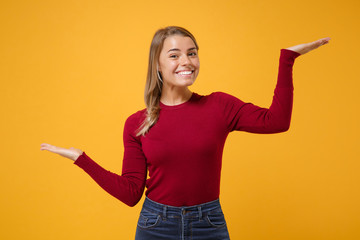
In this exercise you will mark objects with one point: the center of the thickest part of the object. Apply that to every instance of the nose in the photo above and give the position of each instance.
(185, 60)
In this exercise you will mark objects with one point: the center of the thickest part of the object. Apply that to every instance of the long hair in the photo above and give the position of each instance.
(154, 82)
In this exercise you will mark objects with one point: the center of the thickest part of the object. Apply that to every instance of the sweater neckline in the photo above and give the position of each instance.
(170, 107)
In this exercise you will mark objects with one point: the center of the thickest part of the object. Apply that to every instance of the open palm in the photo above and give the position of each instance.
(71, 153)
(307, 47)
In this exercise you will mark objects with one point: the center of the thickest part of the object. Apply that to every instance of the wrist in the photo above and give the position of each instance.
(76, 156)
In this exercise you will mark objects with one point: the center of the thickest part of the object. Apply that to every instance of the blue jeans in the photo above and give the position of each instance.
(158, 221)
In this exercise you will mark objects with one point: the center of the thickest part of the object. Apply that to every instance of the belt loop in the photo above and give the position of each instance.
(164, 212)
(200, 213)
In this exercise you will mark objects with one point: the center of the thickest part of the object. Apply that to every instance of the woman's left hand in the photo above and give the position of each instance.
(307, 47)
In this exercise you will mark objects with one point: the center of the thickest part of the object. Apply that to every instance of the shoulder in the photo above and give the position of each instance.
(139, 115)
(213, 95)
(135, 119)
(219, 95)
(222, 97)
(220, 101)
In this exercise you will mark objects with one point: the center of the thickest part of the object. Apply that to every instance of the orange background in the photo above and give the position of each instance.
(72, 72)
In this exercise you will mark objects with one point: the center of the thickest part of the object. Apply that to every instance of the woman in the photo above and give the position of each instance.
(179, 139)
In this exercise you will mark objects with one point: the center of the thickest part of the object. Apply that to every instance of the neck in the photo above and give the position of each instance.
(175, 96)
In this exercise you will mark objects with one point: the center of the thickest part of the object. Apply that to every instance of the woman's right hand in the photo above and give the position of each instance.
(71, 153)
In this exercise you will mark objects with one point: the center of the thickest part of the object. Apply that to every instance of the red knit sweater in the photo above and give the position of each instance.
(183, 150)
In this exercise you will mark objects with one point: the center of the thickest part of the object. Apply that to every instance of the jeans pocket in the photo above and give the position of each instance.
(216, 218)
(148, 219)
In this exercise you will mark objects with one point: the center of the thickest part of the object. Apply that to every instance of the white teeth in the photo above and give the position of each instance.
(185, 72)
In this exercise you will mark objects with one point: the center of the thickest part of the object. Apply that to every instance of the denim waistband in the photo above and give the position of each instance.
(166, 210)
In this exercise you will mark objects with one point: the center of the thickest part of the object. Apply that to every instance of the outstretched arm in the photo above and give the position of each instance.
(128, 187)
(251, 118)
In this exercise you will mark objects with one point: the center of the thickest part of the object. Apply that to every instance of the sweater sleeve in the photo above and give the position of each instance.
(242, 116)
(128, 187)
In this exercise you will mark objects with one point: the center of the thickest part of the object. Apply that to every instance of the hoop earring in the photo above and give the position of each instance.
(158, 74)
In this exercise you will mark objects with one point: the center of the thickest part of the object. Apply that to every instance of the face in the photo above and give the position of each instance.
(179, 62)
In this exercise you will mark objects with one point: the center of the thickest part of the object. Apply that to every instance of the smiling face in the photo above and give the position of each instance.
(178, 62)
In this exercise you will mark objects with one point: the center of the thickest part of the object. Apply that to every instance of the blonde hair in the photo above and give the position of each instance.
(154, 82)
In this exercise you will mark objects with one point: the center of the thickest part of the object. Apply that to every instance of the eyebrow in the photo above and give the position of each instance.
(176, 49)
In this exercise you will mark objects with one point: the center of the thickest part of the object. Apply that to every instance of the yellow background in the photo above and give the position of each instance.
(72, 72)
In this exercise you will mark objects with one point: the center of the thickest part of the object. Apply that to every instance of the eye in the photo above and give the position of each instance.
(173, 56)
(192, 54)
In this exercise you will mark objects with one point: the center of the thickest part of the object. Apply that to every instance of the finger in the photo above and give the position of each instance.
(44, 146)
(50, 148)
(317, 43)
(323, 41)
